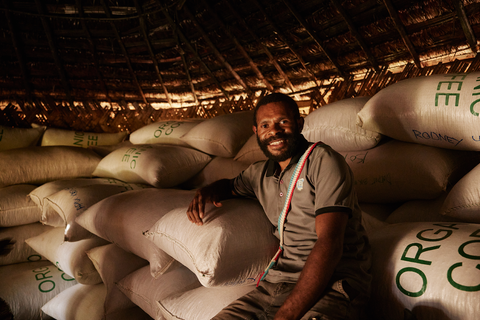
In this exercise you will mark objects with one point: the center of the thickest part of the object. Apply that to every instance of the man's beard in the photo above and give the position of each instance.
(292, 144)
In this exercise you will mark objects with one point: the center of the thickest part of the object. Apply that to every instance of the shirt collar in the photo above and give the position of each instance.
(302, 147)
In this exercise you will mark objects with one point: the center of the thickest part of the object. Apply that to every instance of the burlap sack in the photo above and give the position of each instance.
(438, 110)
(165, 132)
(16, 208)
(335, 124)
(61, 137)
(122, 218)
(13, 138)
(232, 247)
(160, 166)
(428, 268)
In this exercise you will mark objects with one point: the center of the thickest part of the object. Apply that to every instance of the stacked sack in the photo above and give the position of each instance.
(121, 230)
(40, 264)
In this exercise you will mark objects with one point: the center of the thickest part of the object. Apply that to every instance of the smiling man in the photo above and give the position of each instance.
(322, 271)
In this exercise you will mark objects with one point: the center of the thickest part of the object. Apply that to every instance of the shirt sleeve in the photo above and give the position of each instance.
(246, 183)
(333, 181)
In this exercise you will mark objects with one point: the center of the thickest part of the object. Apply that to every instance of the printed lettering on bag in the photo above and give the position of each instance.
(415, 254)
(166, 128)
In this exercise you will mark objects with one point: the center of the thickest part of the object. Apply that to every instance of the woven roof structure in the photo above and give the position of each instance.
(110, 65)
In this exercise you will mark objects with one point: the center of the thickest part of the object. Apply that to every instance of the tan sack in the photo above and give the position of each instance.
(69, 203)
(21, 251)
(439, 110)
(200, 303)
(222, 136)
(79, 302)
(165, 132)
(232, 247)
(113, 264)
(61, 137)
(250, 152)
(145, 291)
(71, 257)
(420, 211)
(16, 208)
(13, 138)
(463, 200)
(218, 168)
(26, 287)
(37, 165)
(335, 124)
(160, 166)
(397, 171)
(122, 218)
(427, 267)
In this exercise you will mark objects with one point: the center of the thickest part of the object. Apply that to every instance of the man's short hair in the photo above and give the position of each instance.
(277, 97)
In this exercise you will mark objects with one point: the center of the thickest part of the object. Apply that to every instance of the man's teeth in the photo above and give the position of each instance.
(276, 142)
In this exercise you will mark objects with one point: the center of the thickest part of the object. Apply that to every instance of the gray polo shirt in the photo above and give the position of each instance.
(325, 185)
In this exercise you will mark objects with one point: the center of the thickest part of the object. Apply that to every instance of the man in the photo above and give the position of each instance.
(323, 271)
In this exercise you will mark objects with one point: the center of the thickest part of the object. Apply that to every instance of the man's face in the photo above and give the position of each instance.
(277, 131)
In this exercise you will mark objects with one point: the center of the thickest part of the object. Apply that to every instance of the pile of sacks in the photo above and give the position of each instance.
(101, 232)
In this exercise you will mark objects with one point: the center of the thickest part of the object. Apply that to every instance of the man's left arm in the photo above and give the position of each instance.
(319, 267)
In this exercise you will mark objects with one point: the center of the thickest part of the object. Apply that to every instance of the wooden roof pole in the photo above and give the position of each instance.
(312, 34)
(403, 34)
(124, 50)
(264, 48)
(192, 49)
(81, 12)
(18, 52)
(239, 46)
(143, 28)
(187, 72)
(467, 28)
(54, 51)
(351, 26)
(215, 50)
(282, 37)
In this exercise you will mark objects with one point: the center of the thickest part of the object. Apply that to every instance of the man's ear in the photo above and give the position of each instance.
(300, 123)
(254, 129)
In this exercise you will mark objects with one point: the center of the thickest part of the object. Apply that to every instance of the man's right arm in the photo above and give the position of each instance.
(213, 193)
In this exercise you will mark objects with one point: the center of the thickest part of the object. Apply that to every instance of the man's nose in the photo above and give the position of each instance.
(276, 128)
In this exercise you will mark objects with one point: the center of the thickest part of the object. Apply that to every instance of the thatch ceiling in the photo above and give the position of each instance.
(154, 54)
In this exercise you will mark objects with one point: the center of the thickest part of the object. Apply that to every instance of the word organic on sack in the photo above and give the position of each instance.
(415, 252)
(45, 279)
(427, 266)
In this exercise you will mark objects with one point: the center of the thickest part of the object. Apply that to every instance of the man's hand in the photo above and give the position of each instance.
(213, 193)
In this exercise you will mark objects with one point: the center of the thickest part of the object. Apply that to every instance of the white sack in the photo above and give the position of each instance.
(113, 264)
(71, 257)
(463, 200)
(397, 171)
(218, 168)
(13, 138)
(374, 215)
(79, 302)
(26, 287)
(165, 132)
(61, 137)
(21, 251)
(232, 247)
(221, 136)
(145, 291)
(37, 165)
(16, 208)
(200, 303)
(160, 166)
(335, 124)
(122, 218)
(105, 150)
(438, 110)
(429, 268)
(69, 203)
(250, 152)
(420, 211)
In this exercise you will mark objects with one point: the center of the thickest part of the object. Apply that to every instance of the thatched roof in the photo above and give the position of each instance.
(108, 65)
